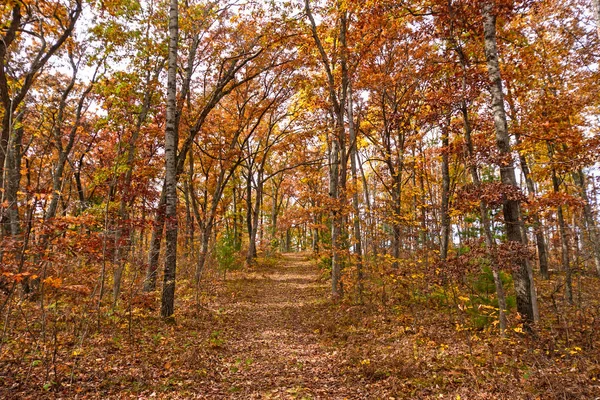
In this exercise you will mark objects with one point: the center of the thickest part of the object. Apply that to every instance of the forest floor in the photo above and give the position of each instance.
(271, 332)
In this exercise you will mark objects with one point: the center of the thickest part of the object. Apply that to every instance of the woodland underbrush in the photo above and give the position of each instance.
(406, 332)
(422, 333)
(66, 340)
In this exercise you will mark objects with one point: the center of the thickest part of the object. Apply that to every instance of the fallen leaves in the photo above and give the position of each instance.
(278, 339)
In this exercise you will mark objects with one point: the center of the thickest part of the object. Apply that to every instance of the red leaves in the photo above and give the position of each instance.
(494, 194)
(554, 200)
(475, 254)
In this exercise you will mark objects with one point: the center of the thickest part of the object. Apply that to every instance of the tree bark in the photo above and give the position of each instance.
(485, 221)
(337, 158)
(254, 213)
(597, 15)
(562, 231)
(445, 231)
(171, 139)
(590, 221)
(355, 203)
(511, 207)
(13, 179)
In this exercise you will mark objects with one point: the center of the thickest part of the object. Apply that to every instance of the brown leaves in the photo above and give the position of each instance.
(506, 256)
(493, 194)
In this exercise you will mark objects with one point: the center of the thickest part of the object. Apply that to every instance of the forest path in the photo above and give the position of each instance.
(273, 351)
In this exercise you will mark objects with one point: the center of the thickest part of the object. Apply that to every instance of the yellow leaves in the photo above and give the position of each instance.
(53, 282)
(518, 329)
(366, 361)
(77, 352)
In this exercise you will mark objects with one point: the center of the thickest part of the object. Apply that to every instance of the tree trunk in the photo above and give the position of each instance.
(236, 229)
(445, 231)
(485, 221)
(315, 231)
(154, 252)
(171, 139)
(511, 207)
(597, 15)
(562, 231)
(423, 230)
(336, 219)
(590, 221)
(13, 180)
(205, 241)
(540, 240)
(337, 159)
(253, 226)
(124, 228)
(355, 203)
(537, 224)
(396, 175)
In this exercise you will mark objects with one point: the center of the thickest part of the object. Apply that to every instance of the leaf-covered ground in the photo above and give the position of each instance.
(271, 333)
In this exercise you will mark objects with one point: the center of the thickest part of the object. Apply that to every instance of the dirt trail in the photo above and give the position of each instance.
(274, 350)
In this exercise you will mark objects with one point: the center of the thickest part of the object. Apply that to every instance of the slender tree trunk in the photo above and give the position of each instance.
(254, 214)
(171, 139)
(511, 207)
(597, 15)
(315, 229)
(204, 248)
(236, 229)
(249, 215)
(537, 223)
(445, 231)
(154, 252)
(124, 229)
(369, 239)
(485, 221)
(274, 217)
(7, 123)
(207, 223)
(336, 220)
(562, 231)
(397, 209)
(423, 231)
(188, 218)
(13, 181)
(355, 203)
(590, 222)
(337, 161)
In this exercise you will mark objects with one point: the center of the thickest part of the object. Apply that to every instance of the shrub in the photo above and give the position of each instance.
(227, 257)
